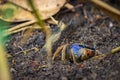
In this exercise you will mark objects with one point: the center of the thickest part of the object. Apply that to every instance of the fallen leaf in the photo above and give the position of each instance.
(46, 8)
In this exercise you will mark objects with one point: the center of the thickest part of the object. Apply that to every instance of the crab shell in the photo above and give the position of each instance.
(46, 9)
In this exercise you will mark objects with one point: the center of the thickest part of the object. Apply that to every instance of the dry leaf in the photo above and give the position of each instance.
(46, 8)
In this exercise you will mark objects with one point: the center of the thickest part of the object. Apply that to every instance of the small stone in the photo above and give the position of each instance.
(64, 78)
(12, 70)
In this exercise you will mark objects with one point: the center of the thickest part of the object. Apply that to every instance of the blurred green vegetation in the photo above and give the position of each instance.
(4, 69)
(3, 26)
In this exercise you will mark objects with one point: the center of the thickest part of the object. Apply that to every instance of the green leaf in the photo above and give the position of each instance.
(3, 26)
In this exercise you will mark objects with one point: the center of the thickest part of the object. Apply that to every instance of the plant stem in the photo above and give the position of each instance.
(4, 69)
(37, 15)
(46, 29)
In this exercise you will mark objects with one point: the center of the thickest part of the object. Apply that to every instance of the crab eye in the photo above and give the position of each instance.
(89, 52)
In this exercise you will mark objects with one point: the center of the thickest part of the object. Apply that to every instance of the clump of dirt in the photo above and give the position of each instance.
(97, 28)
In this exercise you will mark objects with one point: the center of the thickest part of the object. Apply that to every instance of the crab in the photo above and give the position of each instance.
(75, 52)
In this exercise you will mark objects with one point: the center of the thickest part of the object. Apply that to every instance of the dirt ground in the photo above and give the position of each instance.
(97, 28)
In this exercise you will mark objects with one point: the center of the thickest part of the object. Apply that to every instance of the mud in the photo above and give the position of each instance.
(98, 28)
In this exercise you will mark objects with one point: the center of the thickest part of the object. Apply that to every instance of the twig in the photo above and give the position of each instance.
(21, 25)
(113, 12)
(115, 50)
(21, 29)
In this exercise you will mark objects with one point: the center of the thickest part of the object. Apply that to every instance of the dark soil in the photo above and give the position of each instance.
(97, 28)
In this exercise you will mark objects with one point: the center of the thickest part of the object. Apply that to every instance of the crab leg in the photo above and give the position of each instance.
(57, 52)
(64, 52)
